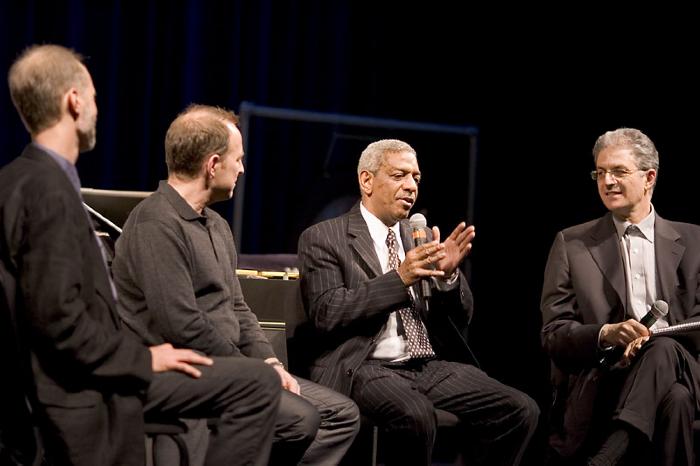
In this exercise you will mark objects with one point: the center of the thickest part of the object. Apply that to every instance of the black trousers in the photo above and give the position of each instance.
(401, 399)
(315, 428)
(242, 393)
(659, 397)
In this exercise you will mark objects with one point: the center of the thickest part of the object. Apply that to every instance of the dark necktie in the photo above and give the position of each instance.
(417, 341)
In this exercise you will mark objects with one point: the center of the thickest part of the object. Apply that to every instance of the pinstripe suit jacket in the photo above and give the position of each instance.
(584, 288)
(349, 300)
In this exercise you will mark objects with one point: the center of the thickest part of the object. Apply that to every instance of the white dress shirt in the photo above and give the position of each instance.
(390, 346)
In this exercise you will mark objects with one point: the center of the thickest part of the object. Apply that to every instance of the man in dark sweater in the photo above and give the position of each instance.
(175, 269)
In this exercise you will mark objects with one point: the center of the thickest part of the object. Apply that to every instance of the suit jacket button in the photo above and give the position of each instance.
(349, 372)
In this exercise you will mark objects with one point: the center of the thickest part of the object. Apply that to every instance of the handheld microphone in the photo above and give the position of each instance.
(658, 310)
(612, 354)
(418, 224)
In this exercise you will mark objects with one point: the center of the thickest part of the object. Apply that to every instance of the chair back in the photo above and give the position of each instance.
(112, 204)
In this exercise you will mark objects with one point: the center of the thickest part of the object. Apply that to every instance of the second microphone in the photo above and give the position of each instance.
(418, 225)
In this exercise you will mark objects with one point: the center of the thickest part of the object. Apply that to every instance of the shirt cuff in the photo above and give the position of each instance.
(452, 278)
(447, 284)
(600, 332)
(274, 362)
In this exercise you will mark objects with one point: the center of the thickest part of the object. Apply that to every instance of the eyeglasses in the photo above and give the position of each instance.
(617, 174)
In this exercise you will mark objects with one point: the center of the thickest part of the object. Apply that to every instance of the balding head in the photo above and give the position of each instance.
(40, 78)
(197, 132)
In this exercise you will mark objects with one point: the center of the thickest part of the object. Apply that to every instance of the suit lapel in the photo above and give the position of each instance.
(361, 242)
(668, 255)
(605, 250)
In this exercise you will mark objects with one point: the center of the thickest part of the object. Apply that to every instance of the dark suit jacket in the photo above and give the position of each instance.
(348, 300)
(584, 288)
(87, 376)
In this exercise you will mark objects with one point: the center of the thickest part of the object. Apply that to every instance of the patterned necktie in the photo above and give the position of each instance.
(417, 341)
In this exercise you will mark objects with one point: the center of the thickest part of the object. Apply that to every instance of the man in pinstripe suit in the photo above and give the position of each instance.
(353, 297)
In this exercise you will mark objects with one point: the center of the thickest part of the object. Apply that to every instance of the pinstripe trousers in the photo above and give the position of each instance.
(401, 398)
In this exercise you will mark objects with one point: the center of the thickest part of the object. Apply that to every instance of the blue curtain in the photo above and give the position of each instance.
(150, 59)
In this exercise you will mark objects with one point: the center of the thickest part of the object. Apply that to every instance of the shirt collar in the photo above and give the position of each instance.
(646, 226)
(181, 206)
(67, 167)
(377, 230)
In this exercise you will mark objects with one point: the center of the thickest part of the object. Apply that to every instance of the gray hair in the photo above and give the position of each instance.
(373, 155)
(642, 147)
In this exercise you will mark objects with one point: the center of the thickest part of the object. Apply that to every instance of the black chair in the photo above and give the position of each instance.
(112, 205)
(173, 429)
(696, 441)
(450, 437)
(367, 448)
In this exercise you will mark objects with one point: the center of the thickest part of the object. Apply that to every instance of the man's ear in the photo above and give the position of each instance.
(211, 165)
(650, 179)
(366, 179)
(73, 102)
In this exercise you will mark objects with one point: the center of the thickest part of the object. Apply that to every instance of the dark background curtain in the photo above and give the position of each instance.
(539, 88)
